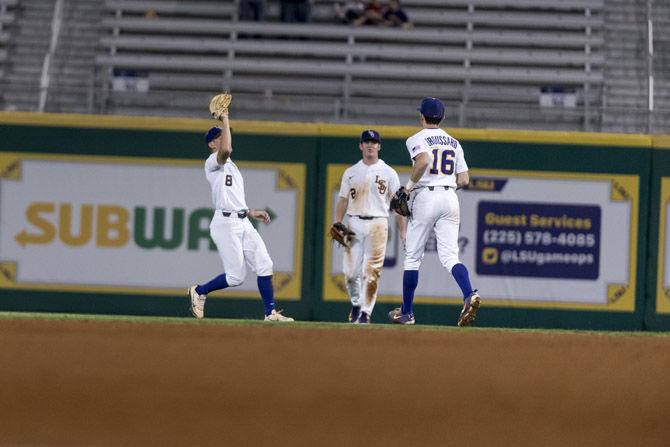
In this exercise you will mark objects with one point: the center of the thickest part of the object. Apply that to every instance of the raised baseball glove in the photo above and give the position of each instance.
(341, 234)
(218, 106)
(399, 202)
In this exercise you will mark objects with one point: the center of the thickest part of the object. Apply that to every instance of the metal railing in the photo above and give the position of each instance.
(45, 79)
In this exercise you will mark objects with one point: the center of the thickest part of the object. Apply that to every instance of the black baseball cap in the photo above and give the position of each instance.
(370, 135)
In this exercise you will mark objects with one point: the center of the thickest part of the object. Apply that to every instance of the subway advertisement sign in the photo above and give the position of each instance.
(135, 225)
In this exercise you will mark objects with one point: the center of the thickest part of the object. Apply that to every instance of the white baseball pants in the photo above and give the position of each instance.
(239, 245)
(437, 209)
(363, 262)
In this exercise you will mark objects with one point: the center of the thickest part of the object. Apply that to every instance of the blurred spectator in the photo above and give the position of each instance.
(252, 10)
(372, 15)
(350, 11)
(293, 11)
(395, 16)
(151, 14)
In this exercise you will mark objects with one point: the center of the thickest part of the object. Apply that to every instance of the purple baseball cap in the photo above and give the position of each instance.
(431, 108)
(212, 134)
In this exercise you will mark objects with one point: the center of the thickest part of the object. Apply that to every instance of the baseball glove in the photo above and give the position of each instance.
(399, 202)
(218, 106)
(341, 234)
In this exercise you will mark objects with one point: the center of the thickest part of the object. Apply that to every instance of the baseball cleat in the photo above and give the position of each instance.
(396, 316)
(197, 303)
(363, 318)
(353, 313)
(278, 317)
(470, 307)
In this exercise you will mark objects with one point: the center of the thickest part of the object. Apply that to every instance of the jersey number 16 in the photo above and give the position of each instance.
(447, 162)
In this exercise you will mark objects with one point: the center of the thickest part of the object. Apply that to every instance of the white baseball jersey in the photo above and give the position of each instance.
(435, 209)
(446, 156)
(227, 185)
(369, 188)
(237, 241)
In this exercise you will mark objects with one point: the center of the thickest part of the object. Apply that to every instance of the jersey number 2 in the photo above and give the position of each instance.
(447, 162)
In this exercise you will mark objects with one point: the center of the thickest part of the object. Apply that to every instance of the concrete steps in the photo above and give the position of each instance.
(625, 74)
(661, 67)
(72, 67)
(30, 43)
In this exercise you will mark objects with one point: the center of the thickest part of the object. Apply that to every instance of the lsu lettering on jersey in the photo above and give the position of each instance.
(369, 188)
(446, 156)
(226, 183)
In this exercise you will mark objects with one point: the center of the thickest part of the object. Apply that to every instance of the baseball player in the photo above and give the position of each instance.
(237, 241)
(365, 193)
(439, 168)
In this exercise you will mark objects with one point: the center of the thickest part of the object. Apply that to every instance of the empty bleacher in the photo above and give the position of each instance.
(7, 16)
(488, 59)
(536, 64)
(65, 83)
(661, 67)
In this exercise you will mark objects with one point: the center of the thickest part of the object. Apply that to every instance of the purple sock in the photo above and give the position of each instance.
(460, 274)
(216, 284)
(267, 293)
(410, 279)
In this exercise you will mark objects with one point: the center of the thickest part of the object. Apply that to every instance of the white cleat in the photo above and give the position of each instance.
(197, 303)
(278, 317)
(471, 306)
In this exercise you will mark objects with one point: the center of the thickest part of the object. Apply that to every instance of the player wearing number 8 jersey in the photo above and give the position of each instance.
(439, 168)
(237, 241)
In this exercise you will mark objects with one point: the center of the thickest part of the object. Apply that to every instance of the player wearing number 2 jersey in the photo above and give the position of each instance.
(365, 193)
(439, 168)
(237, 241)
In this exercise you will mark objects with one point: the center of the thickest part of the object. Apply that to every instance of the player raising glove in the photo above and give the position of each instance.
(341, 234)
(218, 106)
(399, 202)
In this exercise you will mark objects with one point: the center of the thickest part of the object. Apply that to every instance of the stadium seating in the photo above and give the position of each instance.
(489, 59)
(6, 18)
(536, 64)
(661, 67)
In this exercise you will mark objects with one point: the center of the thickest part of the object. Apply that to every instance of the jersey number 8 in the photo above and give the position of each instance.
(447, 161)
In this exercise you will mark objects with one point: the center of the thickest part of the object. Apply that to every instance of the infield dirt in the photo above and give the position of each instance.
(125, 383)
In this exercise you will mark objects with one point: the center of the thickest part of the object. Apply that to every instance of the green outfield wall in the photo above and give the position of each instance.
(109, 215)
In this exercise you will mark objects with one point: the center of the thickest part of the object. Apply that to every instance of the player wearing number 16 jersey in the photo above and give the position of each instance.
(439, 168)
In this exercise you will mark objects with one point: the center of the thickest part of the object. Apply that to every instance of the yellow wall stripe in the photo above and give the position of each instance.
(326, 130)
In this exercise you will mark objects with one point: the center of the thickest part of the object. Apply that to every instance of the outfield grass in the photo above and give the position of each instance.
(304, 324)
